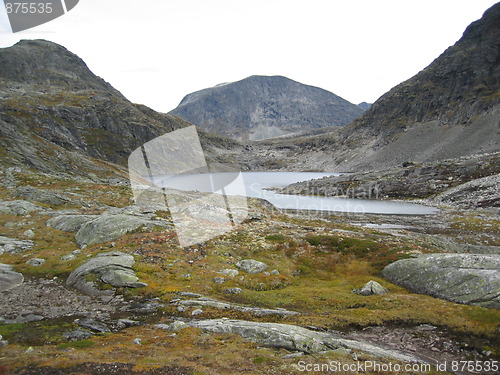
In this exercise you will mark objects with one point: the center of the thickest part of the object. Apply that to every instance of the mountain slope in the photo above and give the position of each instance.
(450, 109)
(260, 107)
(57, 116)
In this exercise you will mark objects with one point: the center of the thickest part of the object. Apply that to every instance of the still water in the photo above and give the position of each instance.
(254, 184)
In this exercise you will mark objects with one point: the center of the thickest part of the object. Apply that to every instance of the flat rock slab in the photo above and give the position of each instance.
(472, 279)
(110, 227)
(18, 207)
(70, 223)
(33, 194)
(293, 338)
(12, 245)
(257, 311)
(9, 278)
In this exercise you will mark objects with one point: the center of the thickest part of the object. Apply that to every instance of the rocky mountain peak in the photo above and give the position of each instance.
(260, 107)
(46, 63)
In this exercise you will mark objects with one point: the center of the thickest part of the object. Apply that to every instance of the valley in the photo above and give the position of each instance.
(94, 281)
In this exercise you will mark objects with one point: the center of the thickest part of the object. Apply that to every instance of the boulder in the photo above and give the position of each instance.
(40, 196)
(251, 266)
(472, 279)
(11, 245)
(9, 278)
(114, 268)
(70, 223)
(110, 227)
(18, 207)
(36, 262)
(371, 288)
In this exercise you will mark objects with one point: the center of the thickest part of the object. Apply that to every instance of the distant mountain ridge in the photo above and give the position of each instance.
(448, 110)
(260, 107)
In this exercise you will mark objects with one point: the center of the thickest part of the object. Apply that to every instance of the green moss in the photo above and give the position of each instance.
(80, 344)
(37, 333)
(278, 238)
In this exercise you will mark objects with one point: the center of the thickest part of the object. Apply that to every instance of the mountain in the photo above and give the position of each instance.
(260, 107)
(57, 116)
(450, 109)
(364, 106)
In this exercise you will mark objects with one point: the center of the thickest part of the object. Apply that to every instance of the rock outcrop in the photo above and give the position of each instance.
(9, 278)
(472, 279)
(18, 207)
(293, 338)
(32, 194)
(12, 245)
(113, 268)
(209, 302)
(70, 223)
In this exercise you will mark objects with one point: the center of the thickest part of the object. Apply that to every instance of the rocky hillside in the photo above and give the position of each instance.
(260, 107)
(450, 109)
(57, 116)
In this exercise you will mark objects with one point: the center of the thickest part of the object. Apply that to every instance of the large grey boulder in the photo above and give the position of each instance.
(472, 279)
(294, 338)
(251, 266)
(110, 227)
(40, 196)
(70, 223)
(9, 278)
(114, 268)
(18, 207)
(11, 245)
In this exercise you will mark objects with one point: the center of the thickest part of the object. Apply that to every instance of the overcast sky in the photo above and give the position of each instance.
(157, 51)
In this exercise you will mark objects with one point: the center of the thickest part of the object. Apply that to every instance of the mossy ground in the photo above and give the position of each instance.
(319, 263)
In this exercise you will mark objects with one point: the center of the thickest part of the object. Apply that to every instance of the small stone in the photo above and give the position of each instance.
(94, 325)
(186, 276)
(371, 288)
(267, 274)
(68, 257)
(293, 355)
(76, 252)
(177, 326)
(137, 341)
(124, 323)
(35, 262)
(29, 234)
(229, 272)
(77, 334)
(3, 343)
(219, 280)
(275, 272)
(30, 350)
(197, 312)
(233, 290)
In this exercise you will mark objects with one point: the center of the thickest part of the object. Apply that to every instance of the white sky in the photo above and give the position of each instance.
(157, 51)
